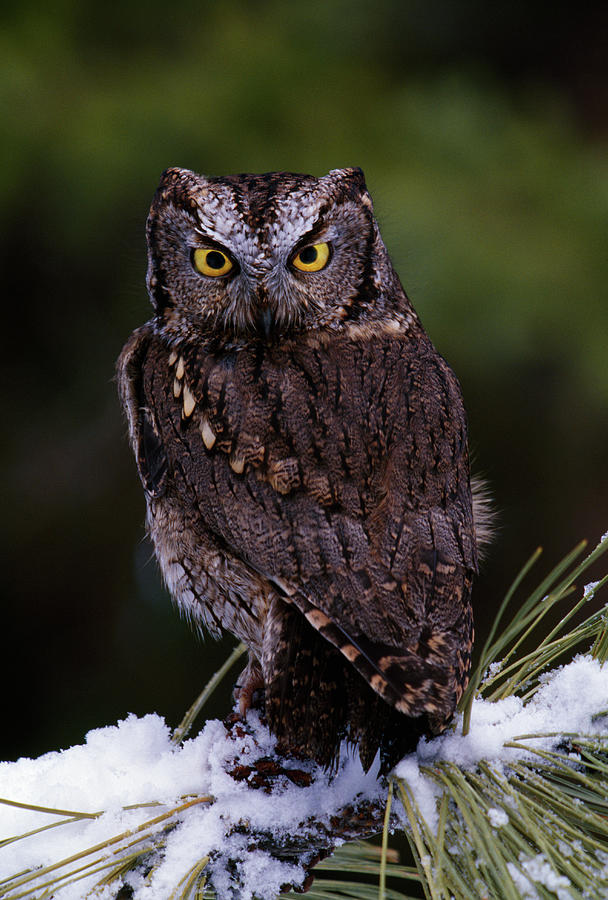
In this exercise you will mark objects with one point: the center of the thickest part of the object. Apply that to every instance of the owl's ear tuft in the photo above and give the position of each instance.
(351, 183)
(352, 174)
(176, 186)
(174, 174)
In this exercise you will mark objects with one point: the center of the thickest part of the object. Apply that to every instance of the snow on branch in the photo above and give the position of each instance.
(252, 822)
(511, 802)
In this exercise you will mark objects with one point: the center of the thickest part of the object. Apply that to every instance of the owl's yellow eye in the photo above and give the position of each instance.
(312, 258)
(211, 262)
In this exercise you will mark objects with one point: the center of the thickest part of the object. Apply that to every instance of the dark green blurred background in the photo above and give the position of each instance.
(482, 132)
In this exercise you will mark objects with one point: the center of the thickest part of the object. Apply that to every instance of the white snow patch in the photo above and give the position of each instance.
(522, 882)
(566, 702)
(135, 762)
(536, 870)
(497, 817)
(425, 792)
(540, 871)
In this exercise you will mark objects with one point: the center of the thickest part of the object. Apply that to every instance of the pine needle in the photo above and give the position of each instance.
(383, 860)
(185, 725)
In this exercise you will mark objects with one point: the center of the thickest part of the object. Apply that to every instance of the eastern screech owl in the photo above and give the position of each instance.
(303, 450)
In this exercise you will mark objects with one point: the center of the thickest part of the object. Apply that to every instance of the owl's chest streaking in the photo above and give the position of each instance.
(323, 419)
(309, 463)
(297, 421)
(262, 446)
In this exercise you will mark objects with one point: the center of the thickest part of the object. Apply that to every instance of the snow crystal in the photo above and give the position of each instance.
(536, 869)
(522, 882)
(540, 871)
(589, 590)
(494, 668)
(497, 817)
(134, 762)
(566, 701)
(425, 792)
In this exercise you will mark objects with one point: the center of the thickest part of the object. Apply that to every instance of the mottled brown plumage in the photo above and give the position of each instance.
(303, 449)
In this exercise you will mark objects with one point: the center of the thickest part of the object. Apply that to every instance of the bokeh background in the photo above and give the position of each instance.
(482, 131)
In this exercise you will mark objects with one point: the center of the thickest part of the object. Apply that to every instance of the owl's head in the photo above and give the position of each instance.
(265, 255)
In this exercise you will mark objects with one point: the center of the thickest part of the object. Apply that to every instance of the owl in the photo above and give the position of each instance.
(303, 451)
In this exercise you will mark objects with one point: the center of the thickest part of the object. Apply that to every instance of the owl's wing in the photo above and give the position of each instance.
(143, 429)
(361, 522)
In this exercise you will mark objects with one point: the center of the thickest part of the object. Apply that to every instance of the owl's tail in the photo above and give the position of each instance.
(315, 700)
(323, 688)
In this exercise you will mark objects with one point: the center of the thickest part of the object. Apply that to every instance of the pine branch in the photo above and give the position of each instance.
(528, 819)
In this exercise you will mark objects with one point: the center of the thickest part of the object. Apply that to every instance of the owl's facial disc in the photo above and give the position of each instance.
(260, 255)
(263, 285)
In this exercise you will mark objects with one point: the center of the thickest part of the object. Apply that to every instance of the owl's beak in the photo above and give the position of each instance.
(266, 314)
(266, 320)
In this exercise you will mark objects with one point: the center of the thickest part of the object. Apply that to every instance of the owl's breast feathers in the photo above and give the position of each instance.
(336, 472)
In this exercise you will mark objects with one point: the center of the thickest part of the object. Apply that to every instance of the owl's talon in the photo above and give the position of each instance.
(243, 692)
